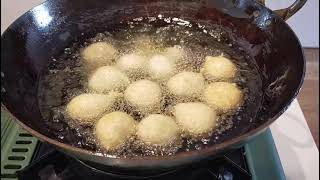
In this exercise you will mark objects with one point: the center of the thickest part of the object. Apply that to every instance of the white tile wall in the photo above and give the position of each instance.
(305, 22)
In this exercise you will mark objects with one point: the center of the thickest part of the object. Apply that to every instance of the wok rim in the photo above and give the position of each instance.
(205, 152)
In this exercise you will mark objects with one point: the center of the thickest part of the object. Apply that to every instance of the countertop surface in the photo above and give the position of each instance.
(296, 147)
(309, 94)
(298, 152)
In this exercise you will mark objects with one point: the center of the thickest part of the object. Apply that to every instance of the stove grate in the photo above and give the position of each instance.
(17, 148)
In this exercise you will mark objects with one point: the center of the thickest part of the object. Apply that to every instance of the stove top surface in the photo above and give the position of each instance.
(24, 157)
(50, 164)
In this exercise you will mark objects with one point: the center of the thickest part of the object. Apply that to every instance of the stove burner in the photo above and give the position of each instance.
(109, 172)
(49, 164)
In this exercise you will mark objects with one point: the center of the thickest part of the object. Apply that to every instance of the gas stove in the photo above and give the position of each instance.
(26, 158)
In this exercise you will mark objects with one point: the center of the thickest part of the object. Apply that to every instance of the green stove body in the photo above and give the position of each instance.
(21, 152)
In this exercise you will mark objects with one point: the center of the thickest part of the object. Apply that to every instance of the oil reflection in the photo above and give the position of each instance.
(42, 16)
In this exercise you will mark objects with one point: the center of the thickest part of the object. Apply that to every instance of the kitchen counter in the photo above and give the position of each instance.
(298, 152)
(309, 94)
(296, 147)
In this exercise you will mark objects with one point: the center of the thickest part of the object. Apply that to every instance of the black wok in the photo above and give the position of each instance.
(44, 31)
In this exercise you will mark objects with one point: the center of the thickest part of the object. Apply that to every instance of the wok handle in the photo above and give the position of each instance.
(286, 13)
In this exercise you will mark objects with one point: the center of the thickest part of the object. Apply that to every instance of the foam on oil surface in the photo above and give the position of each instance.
(67, 77)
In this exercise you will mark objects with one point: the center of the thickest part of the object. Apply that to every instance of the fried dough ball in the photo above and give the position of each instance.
(218, 68)
(174, 53)
(157, 129)
(144, 45)
(186, 84)
(132, 64)
(113, 130)
(99, 54)
(195, 118)
(160, 67)
(144, 95)
(107, 78)
(223, 96)
(86, 108)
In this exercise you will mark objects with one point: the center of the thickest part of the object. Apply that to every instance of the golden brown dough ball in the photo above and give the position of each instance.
(86, 108)
(174, 53)
(144, 95)
(115, 129)
(132, 64)
(160, 67)
(195, 118)
(108, 78)
(99, 54)
(157, 129)
(223, 96)
(218, 68)
(186, 84)
(144, 45)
